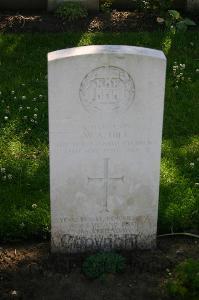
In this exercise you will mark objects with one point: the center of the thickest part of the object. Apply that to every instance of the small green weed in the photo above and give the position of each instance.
(106, 7)
(171, 18)
(174, 21)
(153, 5)
(98, 265)
(184, 283)
(71, 11)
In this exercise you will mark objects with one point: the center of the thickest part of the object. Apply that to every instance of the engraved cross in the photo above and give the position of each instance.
(106, 180)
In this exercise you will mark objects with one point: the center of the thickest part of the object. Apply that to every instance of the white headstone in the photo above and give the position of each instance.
(90, 4)
(105, 125)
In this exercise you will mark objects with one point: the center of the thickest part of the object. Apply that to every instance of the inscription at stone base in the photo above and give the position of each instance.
(108, 233)
(74, 244)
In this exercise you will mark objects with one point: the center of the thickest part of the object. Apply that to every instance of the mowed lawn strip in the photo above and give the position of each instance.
(24, 162)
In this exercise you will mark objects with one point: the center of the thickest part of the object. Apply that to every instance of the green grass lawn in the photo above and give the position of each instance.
(24, 166)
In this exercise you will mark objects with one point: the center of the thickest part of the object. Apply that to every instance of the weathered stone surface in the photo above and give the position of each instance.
(90, 4)
(193, 5)
(105, 125)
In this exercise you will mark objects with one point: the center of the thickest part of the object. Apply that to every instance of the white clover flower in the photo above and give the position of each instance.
(3, 170)
(23, 84)
(35, 116)
(31, 120)
(6, 118)
(28, 107)
(25, 117)
(10, 176)
(34, 205)
(20, 108)
(182, 66)
(23, 97)
(36, 122)
(15, 97)
(197, 70)
(12, 92)
(176, 87)
(35, 109)
(40, 96)
(22, 225)
(4, 177)
(197, 184)
(192, 164)
(0, 93)
(34, 99)
(14, 293)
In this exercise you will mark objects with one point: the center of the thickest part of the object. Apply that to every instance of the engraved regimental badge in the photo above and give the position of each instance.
(107, 89)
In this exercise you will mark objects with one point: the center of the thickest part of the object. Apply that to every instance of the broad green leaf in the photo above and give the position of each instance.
(174, 14)
(189, 22)
(181, 26)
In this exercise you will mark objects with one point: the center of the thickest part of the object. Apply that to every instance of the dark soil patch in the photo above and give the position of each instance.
(31, 272)
(117, 21)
